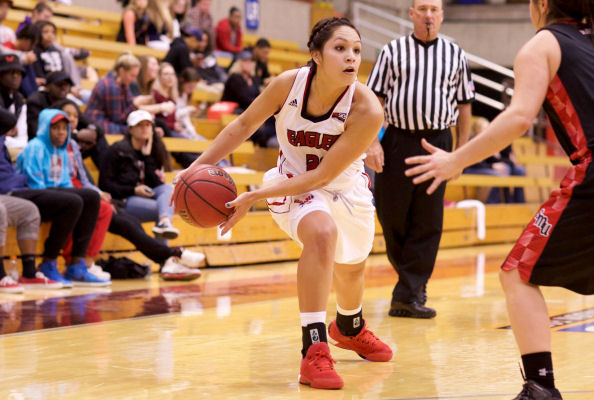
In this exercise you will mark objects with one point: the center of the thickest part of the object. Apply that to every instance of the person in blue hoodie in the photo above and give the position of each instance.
(44, 162)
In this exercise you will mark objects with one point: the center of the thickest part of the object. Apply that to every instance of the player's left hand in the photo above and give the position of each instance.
(242, 205)
(439, 165)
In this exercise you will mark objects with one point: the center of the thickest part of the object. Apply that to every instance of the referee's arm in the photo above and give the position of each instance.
(465, 95)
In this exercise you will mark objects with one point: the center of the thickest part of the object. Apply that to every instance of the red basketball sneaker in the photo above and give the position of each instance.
(365, 344)
(317, 368)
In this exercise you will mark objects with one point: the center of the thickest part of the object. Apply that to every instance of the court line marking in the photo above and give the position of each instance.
(480, 396)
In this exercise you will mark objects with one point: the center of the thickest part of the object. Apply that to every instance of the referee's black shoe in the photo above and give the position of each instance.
(413, 309)
(534, 391)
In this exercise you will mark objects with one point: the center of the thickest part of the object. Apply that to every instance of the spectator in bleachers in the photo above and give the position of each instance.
(23, 215)
(176, 262)
(161, 24)
(56, 88)
(149, 69)
(88, 136)
(49, 58)
(228, 33)
(261, 52)
(131, 175)
(178, 10)
(213, 75)
(112, 100)
(11, 75)
(135, 24)
(6, 33)
(41, 12)
(179, 54)
(199, 16)
(186, 84)
(165, 90)
(499, 164)
(243, 88)
(23, 48)
(44, 162)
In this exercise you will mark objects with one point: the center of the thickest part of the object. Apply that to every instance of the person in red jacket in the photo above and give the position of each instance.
(228, 32)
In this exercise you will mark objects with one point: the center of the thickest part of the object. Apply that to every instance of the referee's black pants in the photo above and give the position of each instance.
(411, 220)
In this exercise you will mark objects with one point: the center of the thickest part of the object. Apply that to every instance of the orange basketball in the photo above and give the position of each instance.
(200, 195)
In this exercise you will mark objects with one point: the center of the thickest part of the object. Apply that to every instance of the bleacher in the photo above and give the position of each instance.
(257, 238)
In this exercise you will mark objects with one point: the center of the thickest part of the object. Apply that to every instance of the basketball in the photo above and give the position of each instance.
(201, 193)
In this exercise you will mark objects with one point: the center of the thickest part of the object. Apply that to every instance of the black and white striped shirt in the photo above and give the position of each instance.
(422, 83)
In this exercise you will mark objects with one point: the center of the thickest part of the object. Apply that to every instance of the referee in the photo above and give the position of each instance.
(424, 83)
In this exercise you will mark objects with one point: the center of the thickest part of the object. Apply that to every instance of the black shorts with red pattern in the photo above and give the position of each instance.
(557, 246)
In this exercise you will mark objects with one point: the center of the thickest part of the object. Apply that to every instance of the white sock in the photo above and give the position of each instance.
(342, 311)
(312, 317)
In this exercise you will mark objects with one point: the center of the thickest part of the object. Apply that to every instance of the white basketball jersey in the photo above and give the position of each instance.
(304, 140)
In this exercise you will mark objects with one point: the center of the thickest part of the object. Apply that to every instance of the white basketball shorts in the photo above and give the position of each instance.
(352, 211)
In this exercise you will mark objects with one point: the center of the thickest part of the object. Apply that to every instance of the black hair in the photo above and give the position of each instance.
(42, 24)
(233, 9)
(188, 74)
(41, 7)
(61, 103)
(263, 43)
(29, 32)
(322, 31)
(581, 11)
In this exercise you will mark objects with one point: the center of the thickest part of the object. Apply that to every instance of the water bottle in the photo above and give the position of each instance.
(252, 14)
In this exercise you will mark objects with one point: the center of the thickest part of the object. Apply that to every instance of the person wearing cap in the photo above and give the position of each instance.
(132, 176)
(228, 33)
(44, 163)
(181, 48)
(57, 87)
(11, 76)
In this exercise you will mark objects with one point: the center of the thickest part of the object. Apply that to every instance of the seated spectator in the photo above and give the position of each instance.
(131, 175)
(49, 58)
(176, 263)
(23, 48)
(44, 163)
(41, 12)
(179, 52)
(11, 75)
(499, 164)
(242, 88)
(199, 16)
(261, 52)
(178, 10)
(135, 23)
(6, 33)
(56, 88)
(186, 84)
(228, 34)
(161, 24)
(88, 136)
(148, 72)
(23, 215)
(213, 75)
(165, 91)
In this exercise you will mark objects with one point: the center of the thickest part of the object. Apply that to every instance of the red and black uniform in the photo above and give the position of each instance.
(557, 246)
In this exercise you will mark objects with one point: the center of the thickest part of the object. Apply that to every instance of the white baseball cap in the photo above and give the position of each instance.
(136, 117)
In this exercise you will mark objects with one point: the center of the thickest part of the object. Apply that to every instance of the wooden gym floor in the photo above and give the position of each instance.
(234, 334)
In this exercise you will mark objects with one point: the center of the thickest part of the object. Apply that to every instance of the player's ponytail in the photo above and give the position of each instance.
(581, 11)
(321, 32)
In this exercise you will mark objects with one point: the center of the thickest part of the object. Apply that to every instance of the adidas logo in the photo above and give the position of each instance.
(293, 103)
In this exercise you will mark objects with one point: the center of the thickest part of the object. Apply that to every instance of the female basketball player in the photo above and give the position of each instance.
(557, 247)
(318, 193)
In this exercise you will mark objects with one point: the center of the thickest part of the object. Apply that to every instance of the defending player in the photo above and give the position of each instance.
(556, 67)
